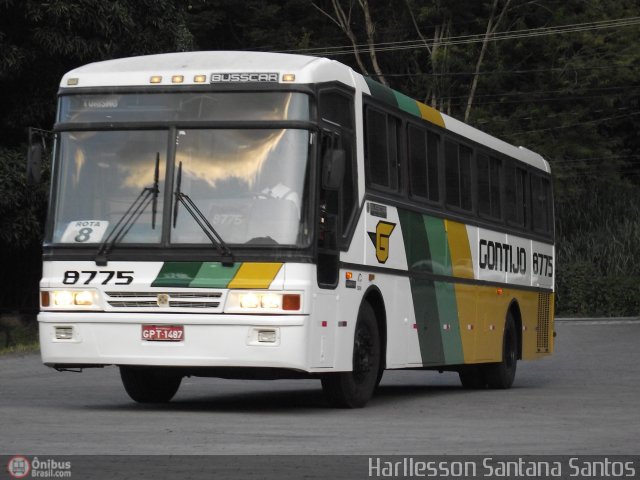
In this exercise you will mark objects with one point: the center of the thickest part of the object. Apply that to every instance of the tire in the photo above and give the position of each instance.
(353, 389)
(501, 375)
(149, 385)
(472, 377)
(379, 378)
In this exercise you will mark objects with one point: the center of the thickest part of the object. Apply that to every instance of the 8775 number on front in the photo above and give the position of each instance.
(103, 277)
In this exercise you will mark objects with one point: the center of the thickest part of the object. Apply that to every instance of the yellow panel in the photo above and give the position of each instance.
(255, 275)
(466, 303)
(492, 313)
(461, 262)
(430, 114)
(482, 312)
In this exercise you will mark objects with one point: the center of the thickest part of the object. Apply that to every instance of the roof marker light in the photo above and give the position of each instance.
(177, 79)
(200, 78)
(289, 77)
(155, 79)
(72, 81)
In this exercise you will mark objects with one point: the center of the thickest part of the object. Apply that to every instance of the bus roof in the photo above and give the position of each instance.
(193, 68)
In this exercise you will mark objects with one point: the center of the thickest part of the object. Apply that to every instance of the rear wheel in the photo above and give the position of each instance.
(501, 375)
(149, 385)
(472, 377)
(353, 389)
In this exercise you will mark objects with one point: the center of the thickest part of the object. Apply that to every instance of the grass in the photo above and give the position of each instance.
(19, 339)
(20, 348)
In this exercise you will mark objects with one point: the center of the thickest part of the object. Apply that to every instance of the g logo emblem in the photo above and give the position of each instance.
(162, 300)
(380, 239)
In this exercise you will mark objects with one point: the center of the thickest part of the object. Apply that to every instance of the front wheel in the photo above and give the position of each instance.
(353, 389)
(149, 385)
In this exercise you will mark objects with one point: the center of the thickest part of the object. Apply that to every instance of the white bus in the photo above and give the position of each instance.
(260, 215)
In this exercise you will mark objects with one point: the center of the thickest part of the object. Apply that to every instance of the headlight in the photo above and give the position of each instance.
(68, 298)
(239, 301)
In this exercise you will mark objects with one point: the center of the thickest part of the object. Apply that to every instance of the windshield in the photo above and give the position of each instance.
(249, 183)
(101, 175)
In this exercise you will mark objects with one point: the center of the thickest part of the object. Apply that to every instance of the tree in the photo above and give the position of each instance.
(43, 40)
(344, 17)
(40, 41)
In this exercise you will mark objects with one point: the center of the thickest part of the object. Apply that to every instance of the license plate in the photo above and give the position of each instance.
(163, 333)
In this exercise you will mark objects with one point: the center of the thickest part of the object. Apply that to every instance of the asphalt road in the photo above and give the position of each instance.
(583, 400)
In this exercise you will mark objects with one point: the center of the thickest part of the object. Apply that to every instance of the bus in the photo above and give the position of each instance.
(262, 216)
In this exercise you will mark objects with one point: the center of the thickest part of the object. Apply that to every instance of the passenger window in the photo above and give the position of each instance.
(336, 108)
(458, 176)
(489, 173)
(517, 194)
(541, 193)
(423, 164)
(382, 153)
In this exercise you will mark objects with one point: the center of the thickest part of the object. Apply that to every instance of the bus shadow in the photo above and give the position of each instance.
(289, 400)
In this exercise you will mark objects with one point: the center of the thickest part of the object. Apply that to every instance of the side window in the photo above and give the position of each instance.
(349, 191)
(382, 152)
(423, 164)
(489, 173)
(376, 149)
(458, 175)
(541, 196)
(517, 196)
(336, 108)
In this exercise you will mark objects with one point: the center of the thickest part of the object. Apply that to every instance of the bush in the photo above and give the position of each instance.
(22, 215)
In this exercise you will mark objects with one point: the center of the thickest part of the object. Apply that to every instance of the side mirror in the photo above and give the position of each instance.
(39, 145)
(34, 164)
(333, 167)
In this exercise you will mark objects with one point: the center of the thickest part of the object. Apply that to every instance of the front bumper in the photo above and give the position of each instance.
(101, 338)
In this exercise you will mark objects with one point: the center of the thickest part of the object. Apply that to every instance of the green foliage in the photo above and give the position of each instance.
(40, 41)
(43, 40)
(18, 338)
(22, 206)
(583, 291)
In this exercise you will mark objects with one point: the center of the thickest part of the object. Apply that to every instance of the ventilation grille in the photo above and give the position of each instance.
(544, 306)
(166, 300)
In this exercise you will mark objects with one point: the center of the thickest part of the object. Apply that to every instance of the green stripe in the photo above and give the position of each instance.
(438, 244)
(214, 275)
(393, 97)
(448, 309)
(177, 274)
(416, 242)
(195, 274)
(425, 304)
(407, 104)
(380, 92)
(434, 303)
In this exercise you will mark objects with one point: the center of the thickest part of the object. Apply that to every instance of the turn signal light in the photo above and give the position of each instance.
(291, 302)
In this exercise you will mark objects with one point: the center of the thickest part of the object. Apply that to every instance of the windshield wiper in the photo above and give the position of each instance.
(130, 217)
(201, 220)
